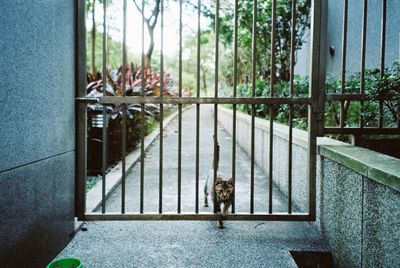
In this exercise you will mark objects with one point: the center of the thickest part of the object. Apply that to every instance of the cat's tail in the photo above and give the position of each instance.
(216, 157)
(206, 186)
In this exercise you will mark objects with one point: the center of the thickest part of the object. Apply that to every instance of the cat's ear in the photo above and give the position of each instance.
(230, 181)
(218, 180)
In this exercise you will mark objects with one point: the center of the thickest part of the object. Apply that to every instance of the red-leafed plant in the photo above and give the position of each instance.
(151, 86)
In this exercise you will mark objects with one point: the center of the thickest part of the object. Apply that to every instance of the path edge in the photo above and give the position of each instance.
(114, 177)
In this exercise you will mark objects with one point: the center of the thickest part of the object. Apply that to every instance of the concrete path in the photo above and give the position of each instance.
(192, 243)
(170, 171)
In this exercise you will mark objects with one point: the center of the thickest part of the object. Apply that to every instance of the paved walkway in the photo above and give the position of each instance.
(170, 171)
(192, 243)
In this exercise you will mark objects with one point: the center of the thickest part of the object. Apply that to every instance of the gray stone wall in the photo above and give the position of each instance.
(340, 212)
(381, 225)
(358, 217)
(280, 149)
(37, 142)
(334, 37)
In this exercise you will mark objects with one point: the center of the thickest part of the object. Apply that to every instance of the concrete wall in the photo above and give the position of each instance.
(37, 142)
(334, 37)
(358, 191)
(280, 149)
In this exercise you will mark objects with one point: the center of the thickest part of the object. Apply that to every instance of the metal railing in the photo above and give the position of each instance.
(361, 96)
(313, 102)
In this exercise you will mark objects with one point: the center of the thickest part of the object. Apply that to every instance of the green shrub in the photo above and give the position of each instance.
(385, 89)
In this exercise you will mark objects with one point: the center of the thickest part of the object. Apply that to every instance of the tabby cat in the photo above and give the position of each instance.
(222, 188)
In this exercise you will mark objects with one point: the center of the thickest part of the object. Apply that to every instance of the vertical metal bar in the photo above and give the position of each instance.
(81, 125)
(216, 96)
(180, 111)
(292, 63)
(382, 67)
(160, 184)
(142, 118)
(363, 50)
(198, 107)
(398, 114)
(344, 54)
(104, 129)
(320, 98)
(317, 22)
(271, 108)
(124, 113)
(253, 107)
(235, 58)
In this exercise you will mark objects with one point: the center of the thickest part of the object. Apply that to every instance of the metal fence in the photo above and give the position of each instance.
(343, 97)
(314, 103)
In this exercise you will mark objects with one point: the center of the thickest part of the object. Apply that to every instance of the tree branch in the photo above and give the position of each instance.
(155, 13)
(137, 6)
(391, 108)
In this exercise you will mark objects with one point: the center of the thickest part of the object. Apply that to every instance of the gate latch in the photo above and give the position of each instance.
(87, 99)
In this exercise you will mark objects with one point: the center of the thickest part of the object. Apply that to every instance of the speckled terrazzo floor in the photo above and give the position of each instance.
(192, 243)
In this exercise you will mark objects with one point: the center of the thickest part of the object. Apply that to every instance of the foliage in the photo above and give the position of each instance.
(263, 31)
(206, 64)
(281, 112)
(134, 125)
(91, 10)
(113, 53)
(376, 88)
(385, 88)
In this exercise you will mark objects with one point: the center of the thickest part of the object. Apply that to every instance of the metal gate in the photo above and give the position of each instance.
(315, 111)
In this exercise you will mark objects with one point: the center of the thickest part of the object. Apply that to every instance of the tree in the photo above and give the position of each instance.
(91, 9)
(263, 30)
(206, 58)
(151, 23)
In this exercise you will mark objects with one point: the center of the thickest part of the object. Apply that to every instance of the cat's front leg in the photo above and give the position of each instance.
(226, 208)
(220, 213)
(223, 214)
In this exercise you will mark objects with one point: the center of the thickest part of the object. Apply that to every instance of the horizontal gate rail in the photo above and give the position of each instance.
(362, 131)
(351, 97)
(201, 100)
(195, 100)
(198, 216)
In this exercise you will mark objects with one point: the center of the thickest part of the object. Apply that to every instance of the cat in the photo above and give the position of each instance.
(223, 189)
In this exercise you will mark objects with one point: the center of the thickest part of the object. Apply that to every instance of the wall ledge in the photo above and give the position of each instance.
(378, 167)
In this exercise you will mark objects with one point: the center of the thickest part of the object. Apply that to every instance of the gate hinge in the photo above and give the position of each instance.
(319, 111)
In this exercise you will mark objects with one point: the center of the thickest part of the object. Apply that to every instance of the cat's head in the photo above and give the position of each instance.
(224, 189)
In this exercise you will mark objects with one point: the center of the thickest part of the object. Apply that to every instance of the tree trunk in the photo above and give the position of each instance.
(147, 58)
(151, 23)
(93, 36)
(204, 78)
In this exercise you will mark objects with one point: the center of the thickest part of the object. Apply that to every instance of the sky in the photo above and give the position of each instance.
(134, 25)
